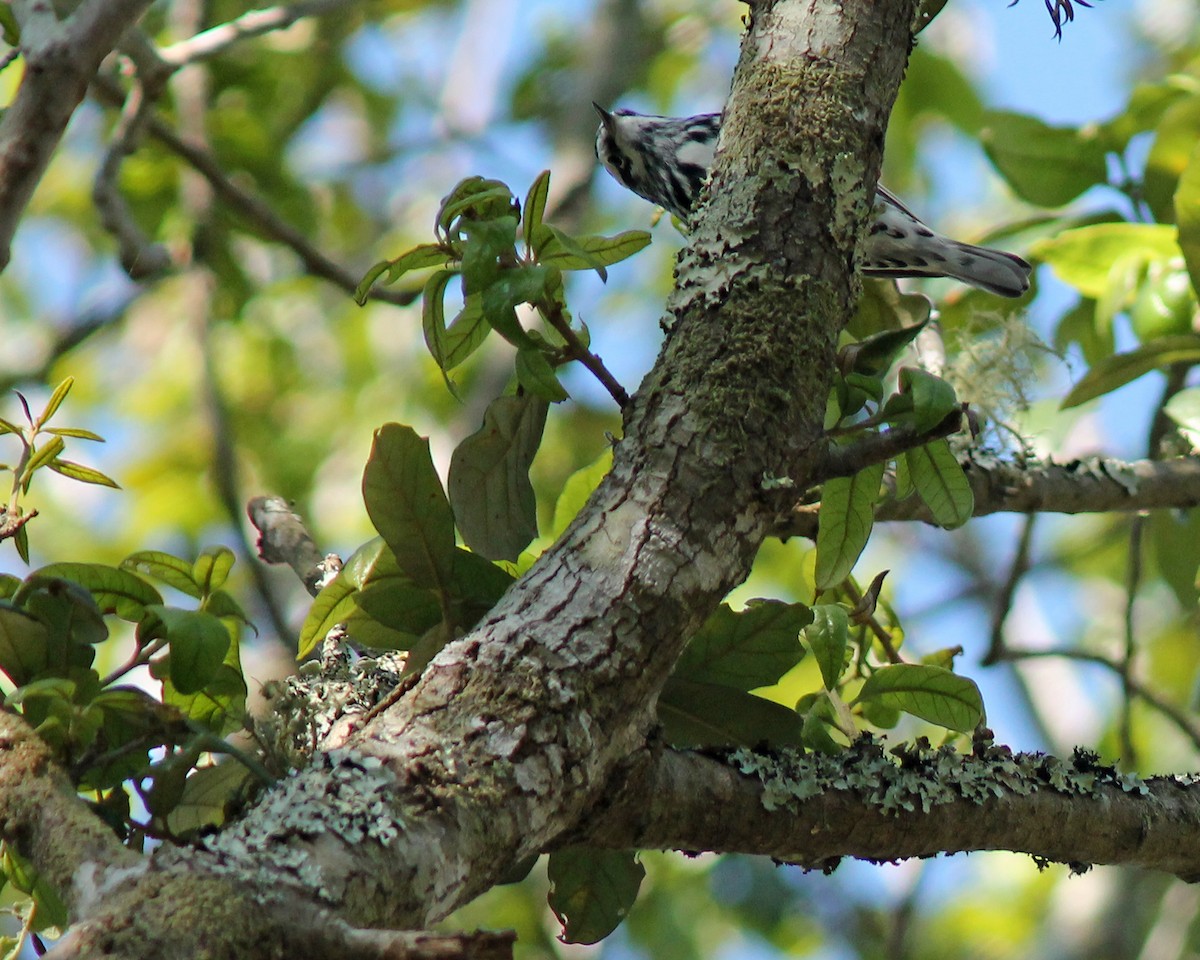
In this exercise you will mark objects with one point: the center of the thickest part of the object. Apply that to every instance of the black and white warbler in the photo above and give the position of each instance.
(666, 160)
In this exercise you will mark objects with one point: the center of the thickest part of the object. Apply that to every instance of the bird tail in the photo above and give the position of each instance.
(998, 272)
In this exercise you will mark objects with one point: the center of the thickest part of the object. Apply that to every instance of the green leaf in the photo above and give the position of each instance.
(400, 605)
(874, 355)
(535, 206)
(475, 198)
(932, 397)
(590, 252)
(1184, 409)
(198, 643)
(112, 589)
(488, 246)
(212, 567)
(1122, 368)
(75, 432)
(418, 258)
(578, 489)
(1046, 165)
(172, 571)
(1175, 540)
(489, 483)
(69, 613)
(500, 299)
(23, 645)
(592, 890)
(464, 336)
(1187, 215)
(77, 471)
(931, 693)
(535, 374)
(21, 542)
(206, 797)
(42, 456)
(1175, 138)
(1084, 257)
(828, 637)
(746, 649)
(433, 318)
(220, 706)
(846, 516)
(941, 483)
(407, 505)
(363, 290)
(710, 715)
(477, 586)
(51, 911)
(55, 401)
(333, 605)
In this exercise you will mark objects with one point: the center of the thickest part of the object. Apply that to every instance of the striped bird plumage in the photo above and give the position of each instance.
(666, 161)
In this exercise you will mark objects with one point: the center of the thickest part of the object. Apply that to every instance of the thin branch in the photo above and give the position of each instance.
(845, 461)
(255, 23)
(1094, 485)
(255, 210)
(140, 258)
(577, 351)
(1008, 591)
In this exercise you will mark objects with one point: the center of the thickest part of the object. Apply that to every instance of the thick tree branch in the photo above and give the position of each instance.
(42, 817)
(60, 60)
(814, 809)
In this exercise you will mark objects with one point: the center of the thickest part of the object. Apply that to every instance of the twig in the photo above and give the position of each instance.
(252, 208)
(140, 258)
(252, 24)
(577, 351)
(845, 461)
(1004, 599)
(1094, 485)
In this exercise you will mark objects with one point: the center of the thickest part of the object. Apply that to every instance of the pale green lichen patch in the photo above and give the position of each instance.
(919, 778)
(343, 796)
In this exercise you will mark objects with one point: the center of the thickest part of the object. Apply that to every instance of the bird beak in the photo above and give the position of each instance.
(605, 116)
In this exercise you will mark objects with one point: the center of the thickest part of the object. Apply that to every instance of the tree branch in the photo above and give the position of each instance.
(1094, 485)
(813, 809)
(41, 816)
(60, 60)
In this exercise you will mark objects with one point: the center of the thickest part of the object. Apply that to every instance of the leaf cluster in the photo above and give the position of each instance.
(104, 731)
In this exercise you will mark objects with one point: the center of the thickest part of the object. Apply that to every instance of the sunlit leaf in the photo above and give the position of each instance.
(745, 649)
(828, 636)
(846, 516)
(1046, 165)
(940, 482)
(931, 693)
(1122, 368)
(171, 570)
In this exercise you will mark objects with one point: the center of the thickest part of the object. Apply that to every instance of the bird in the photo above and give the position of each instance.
(667, 159)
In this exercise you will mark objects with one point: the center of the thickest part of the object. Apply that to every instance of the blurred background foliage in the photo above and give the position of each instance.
(240, 373)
